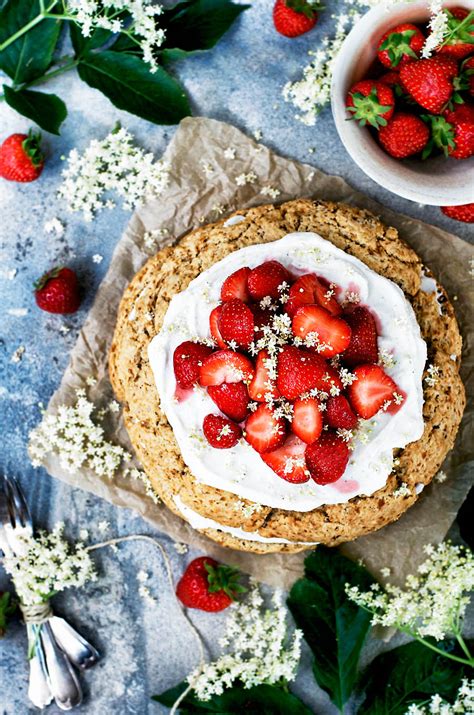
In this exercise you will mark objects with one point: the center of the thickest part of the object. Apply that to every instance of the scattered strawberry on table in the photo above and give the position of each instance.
(281, 348)
(209, 585)
(420, 106)
(21, 158)
(295, 17)
(57, 291)
(463, 213)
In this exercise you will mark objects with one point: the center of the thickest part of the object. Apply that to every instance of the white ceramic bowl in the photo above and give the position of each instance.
(438, 181)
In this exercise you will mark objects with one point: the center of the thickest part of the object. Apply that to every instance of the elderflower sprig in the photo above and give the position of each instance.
(438, 28)
(46, 564)
(464, 702)
(259, 649)
(431, 604)
(112, 165)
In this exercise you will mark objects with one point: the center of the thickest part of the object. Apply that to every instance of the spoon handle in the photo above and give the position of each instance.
(62, 678)
(79, 651)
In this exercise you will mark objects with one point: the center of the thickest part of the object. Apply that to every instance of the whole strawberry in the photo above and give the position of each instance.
(460, 36)
(428, 83)
(404, 135)
(294, 17)
(453, 133)
(467, 74)
(208, 585)
(463, 213)
(400, 44)
(58, 291)
(370, 102)
(21, 158)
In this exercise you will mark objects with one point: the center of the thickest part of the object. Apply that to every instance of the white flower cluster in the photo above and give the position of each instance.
(134, 18)
(260, 648)
(438, 27)
(47, 564)
(432, 603)
(464, 702)
(111, 165)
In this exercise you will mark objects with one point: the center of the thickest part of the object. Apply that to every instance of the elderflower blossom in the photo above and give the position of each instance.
(135, 18)
(46, 564)
(113, 164)
(259, 649)
(432, 603)
(438, 28)
(464, 702)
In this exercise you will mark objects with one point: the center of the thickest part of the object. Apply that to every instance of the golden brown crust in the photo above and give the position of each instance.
(141, 313)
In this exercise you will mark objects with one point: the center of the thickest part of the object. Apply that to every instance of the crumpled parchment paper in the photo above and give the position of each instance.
(202, 189)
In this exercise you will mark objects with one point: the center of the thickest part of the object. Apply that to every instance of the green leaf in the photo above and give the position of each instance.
(31, 54)
(409, 674)
(82, 44)
(261, 699)
(198, 24)
(47, 110)
(7, 608)
(128, 83)
(334, 627)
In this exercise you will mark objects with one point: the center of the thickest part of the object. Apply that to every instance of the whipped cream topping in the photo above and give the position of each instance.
(198, 521)
(241, 470)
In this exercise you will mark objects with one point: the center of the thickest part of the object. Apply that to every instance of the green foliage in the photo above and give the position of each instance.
(47, 110)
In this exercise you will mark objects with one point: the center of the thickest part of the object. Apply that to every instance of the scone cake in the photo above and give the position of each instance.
(289, 376)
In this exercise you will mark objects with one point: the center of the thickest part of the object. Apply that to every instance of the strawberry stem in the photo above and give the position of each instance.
(224, 578)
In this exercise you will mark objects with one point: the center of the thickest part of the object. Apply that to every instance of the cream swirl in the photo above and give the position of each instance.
(240, 470)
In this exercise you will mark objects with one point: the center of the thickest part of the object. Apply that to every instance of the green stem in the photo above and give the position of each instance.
(49, 75)
(464, 647)
(429, 645)
(29, 25)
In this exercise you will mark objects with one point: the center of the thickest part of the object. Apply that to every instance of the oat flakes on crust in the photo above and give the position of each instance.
(140, 316)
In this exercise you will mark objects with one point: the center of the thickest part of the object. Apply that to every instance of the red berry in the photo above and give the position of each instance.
(235, 323)
(235, 286)
(220, 432)
(310, 289)
(329, 334)
(462, 120)
(208, 585)
(370, 102)
(372, 390)
(264, 431)
(460, 39)
(214, 327)
(327, 458)
(261, 318)
(262, 384)
(463, 213)
(58, 291)
(299, 371)
(339, 414)
(428, 83)
(307, 422)
(21, 158)
(187, 361)
(231, 398)
(288, 460)
(225, 366)
(404, 135)
(363, 346)
(467, 74)
(294, 17)
(400, 44)
(265, 280)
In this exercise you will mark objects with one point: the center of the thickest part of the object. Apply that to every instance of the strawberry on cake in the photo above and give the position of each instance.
(274, 391)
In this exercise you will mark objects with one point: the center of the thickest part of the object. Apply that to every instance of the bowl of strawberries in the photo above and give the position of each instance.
(403, 99)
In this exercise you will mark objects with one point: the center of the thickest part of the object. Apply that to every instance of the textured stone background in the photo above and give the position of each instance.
(146, 648)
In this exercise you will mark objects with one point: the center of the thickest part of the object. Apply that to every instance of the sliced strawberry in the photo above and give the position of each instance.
(299, 371)
(265, 279)
(327, 458)
(220, 432)
(264, 431)
(309, 289)
(363, 345)
(331, 335)
(288, 460)
(231, 398)
(262, 384)
(235, 323)
(187, 361)
(339, 414)
(225, 366)
(261, 318)
(307, 422)
(372, 390)
(235, 286)
(214, 327)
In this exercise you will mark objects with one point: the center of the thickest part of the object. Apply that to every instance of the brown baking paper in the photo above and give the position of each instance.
(202, 189)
